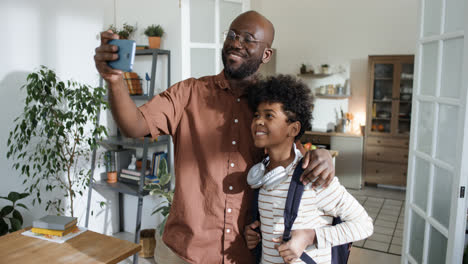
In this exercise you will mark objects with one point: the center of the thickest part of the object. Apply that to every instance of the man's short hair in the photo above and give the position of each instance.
(295, 96)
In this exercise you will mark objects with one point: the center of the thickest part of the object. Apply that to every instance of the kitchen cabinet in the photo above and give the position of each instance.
(348, 162)
(388, 119)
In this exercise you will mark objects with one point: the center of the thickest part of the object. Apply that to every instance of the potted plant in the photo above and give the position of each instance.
(11, 213)
(303, 68)
(154, 34)
(53, 138)
(160, 190)
(325, 69)
(125, 32)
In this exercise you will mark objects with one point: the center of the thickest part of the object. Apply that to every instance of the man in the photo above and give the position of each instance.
(209, 121)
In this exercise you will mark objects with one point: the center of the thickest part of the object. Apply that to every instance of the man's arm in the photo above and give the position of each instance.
(317, 164)
(124, 110)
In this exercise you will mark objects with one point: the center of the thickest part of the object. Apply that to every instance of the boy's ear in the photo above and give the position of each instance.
(294, 129)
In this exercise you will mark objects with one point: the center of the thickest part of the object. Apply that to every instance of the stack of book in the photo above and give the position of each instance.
(132, 176)
(54, 225)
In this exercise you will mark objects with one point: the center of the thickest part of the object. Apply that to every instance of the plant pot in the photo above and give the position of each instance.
(112, 177)
(147, 242)
(154, 42)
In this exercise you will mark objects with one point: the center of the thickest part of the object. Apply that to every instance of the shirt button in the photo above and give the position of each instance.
(230, 188)
(228, 230)
(232, 165)
(229, 210)
(234, 142)
(236, 121)
(238, 99)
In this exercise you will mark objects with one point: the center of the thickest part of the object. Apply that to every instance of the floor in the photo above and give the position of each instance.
(385, 206)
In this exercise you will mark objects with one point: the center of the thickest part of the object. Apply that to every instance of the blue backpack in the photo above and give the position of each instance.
(340, 253)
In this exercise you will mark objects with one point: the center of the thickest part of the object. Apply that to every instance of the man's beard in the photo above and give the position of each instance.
(246, 69)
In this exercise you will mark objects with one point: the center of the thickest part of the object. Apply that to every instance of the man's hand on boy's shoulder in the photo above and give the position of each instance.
(318, 164)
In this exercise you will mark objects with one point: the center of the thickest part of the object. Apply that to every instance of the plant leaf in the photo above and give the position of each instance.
(3, 227)
(15, 224)
(6, 211)
(17, 215)
(13, 196)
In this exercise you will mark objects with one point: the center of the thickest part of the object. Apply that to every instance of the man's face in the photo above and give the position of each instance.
(243, 49)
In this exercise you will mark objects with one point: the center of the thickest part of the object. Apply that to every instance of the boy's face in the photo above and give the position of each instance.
(270, 126)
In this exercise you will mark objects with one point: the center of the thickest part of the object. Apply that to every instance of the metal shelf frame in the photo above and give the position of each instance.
(119, 141)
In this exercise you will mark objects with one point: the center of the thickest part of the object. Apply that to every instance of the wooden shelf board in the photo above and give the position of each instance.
(314, 75)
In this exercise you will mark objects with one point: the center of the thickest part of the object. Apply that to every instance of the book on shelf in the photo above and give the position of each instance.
(134, 172)
(130, 177)
(157, 157)
(53, 232)
(136, 180)
(55, 222)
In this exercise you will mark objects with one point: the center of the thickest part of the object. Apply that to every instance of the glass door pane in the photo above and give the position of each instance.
(202, 26)
(405, 99)
(228, 10)
(382, 98)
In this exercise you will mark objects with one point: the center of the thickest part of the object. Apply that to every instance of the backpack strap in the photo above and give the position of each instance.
(293, 200)
(257, 251)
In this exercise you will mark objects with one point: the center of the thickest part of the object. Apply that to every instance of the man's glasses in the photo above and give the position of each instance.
(244, 38)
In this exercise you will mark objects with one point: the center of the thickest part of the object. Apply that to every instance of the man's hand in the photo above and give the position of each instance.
(252, 238)
(104, 53)
(318, 168)
(292, 250)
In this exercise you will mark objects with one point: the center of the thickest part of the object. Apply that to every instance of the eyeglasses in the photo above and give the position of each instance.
(244, 38)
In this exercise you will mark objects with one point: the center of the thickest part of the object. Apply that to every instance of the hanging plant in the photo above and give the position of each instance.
(53, 138)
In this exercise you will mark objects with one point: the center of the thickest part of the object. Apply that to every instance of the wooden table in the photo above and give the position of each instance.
(88, 247)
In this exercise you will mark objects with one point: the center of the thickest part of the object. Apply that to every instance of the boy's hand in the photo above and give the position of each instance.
(292, 250)
(252, 238)
(318, 164)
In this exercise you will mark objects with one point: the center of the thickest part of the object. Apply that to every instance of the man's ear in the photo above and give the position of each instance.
(267, 53)
(294, 129)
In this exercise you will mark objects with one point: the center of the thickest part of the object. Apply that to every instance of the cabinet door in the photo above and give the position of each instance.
(381, 94)
(390, 95)
(404, 96)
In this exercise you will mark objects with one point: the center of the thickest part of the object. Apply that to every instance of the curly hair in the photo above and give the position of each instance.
(295, 97)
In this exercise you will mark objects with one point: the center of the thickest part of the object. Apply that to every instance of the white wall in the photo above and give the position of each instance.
(339, 33)
(63, 35)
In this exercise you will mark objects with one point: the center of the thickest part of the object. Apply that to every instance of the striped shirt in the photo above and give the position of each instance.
(316, 211)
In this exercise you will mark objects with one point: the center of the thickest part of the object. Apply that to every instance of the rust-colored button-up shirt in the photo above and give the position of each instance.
(210, 125)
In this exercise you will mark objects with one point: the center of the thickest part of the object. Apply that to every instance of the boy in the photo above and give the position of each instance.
(282, 108)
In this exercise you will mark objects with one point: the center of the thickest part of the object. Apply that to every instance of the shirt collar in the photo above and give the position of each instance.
(222, 83)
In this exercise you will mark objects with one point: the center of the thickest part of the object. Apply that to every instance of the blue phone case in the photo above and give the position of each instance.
(126, 53)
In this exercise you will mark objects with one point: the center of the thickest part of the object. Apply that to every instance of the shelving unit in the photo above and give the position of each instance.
(388, 119)
(121, 142)
(322, 95)
(315, 75)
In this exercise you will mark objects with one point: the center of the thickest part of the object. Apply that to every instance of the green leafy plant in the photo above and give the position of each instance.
(124, 33)
(11, 213)
(54, 137)
(159, 189)
(154, 31)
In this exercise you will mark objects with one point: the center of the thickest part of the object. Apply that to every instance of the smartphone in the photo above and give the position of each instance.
(126, 53)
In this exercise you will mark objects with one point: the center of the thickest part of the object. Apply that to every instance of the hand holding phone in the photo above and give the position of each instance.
(126, 54)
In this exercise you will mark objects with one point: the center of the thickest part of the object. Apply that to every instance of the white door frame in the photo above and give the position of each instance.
(187, 45)
(455, 233)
